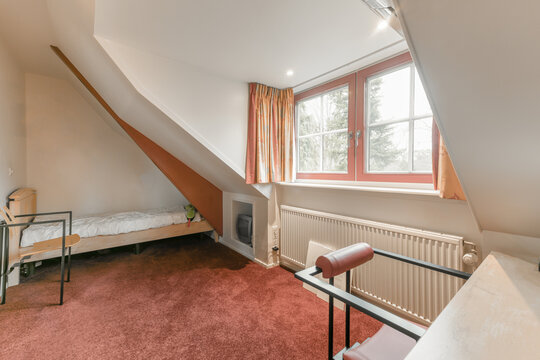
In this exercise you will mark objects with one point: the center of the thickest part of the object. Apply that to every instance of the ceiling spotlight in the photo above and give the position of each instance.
(383, 24)
(290, 73)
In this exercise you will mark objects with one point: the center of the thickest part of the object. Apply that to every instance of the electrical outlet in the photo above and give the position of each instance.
(275, 236)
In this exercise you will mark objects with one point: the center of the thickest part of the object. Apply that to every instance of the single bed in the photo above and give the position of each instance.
(100, 232)
(109, 224)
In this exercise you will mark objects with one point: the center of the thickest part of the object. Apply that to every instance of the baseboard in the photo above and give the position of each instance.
(244, 250)
(289, 265)
(268, 266)
(239, 247)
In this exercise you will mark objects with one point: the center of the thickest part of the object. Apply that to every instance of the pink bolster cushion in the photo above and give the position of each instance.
(341, 260)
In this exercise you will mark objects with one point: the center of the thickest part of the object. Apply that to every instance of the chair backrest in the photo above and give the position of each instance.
(9, 219)
(7, 215)
(21, 201)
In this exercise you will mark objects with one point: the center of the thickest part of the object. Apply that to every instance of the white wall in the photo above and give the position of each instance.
(12, 129)
(425, 212)
(524, 247)
(80, 161)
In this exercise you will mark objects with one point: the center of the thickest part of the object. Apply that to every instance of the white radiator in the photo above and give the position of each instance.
(419, 292)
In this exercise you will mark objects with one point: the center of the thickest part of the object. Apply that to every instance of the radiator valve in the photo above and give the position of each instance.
(471, 258)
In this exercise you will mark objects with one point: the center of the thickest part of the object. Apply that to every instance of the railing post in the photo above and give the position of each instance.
(62, 262)
(331, 323)
(348, 312)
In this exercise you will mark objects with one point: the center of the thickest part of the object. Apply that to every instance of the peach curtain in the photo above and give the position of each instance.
(444, 176)
(270, 145)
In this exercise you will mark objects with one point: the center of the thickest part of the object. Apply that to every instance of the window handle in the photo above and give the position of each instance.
(358, 133)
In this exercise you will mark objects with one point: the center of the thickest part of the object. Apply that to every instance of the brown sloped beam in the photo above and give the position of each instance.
(204, 195)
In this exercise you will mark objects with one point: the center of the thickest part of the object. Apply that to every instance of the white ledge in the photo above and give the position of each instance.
(392, 188)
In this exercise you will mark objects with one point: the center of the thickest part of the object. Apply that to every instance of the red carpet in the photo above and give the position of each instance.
(179, 299)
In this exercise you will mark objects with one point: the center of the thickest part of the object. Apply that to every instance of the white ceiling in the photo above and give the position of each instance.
(248, 40)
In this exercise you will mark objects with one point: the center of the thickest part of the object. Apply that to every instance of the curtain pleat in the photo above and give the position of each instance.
(444, 176)
(270, 145)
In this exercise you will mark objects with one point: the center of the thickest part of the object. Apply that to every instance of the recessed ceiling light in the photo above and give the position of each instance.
(383, 24)
(290, 73)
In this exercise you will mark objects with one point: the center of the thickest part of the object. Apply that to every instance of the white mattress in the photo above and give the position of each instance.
(108, 224)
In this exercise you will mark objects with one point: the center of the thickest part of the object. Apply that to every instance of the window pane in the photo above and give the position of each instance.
(422, 145)
(421, 104)
(389, 148)
(335, 151)
(389, 96)
(336, 109)
(309, 154)
(309, 116)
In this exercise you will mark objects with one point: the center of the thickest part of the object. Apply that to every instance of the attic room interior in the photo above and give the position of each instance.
(309, 179)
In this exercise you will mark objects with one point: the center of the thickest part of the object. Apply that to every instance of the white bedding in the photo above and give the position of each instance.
(108, 225)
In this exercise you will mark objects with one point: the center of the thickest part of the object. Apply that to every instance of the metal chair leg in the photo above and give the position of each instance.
(69, 265)
(4, 286)
(62, 270)
(5, 260)
(4, 281)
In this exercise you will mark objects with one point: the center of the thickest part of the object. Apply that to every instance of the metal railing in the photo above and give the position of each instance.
(404, 326)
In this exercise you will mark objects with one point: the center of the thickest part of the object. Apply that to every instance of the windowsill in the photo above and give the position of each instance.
(382, 187)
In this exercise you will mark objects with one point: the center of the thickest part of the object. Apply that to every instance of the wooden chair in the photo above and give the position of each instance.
(64, 242)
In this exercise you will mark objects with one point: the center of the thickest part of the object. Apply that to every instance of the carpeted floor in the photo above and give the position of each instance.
(182, 298)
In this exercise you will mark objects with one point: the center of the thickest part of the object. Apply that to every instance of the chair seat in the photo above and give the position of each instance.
(49, 245)
(386, 344)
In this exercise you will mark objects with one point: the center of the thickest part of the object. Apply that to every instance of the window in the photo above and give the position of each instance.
(374, 125)
(324, 124)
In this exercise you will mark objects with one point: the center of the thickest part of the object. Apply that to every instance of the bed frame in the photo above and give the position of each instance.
(24, 201)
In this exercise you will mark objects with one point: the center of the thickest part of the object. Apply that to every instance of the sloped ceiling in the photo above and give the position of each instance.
(248, 40)
(183, 93)
(479, 61)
